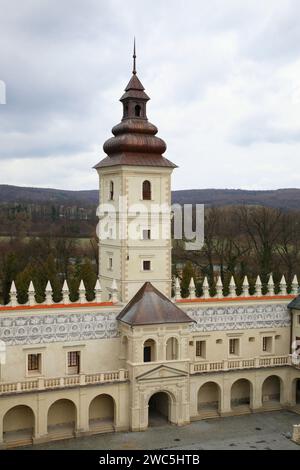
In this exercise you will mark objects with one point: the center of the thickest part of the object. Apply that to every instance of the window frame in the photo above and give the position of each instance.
(235, 351)
(148, 230)
(200, 349)
(146, 192)
(143, 265)
(29, 359)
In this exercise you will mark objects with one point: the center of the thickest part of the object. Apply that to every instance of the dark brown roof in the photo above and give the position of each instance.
(150, 307)
(135, 89)
(135, 160)
(135, 142)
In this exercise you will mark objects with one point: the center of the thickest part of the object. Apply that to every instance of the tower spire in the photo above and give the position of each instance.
(134, 57)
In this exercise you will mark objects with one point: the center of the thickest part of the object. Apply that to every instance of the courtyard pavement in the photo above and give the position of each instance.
(270, 431)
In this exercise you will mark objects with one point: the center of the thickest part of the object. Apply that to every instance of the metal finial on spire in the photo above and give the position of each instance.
(134, 57)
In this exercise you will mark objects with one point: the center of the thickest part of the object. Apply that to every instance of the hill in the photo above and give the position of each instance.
(279, 198)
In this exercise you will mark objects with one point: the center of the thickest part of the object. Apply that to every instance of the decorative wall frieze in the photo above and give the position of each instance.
(239, 317)
(51, 328)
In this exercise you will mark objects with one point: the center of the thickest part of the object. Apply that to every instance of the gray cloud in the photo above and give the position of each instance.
(261, 129)
(221, 77)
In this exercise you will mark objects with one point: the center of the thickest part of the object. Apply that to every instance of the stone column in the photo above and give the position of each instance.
(122, 418)
(194, 399)
(286, 390)
(225, 405)
(257, 404)
(41, 420)
(161, 349)
(82, 425)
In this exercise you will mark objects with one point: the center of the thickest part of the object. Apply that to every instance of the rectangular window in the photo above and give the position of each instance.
(201, 349)
(298, 316)
(234, 346)
(267, 344)
(73, 362)
(34, 362)
(146, 234)
(73, 358)
(146, 265)
(110, 263)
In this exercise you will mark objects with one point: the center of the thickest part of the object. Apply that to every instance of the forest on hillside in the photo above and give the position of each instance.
(239, 240)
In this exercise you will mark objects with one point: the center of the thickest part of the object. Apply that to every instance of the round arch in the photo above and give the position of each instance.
(149, 350)
(161, 408)
(271, 390)
(102, 412)
(146, 190)
(19, 425)
(209, 397)
(62, 418)
(241, 393)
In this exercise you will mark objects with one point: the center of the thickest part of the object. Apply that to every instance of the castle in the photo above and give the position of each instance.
(134, 354)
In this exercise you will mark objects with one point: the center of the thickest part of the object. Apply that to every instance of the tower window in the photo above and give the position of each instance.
(111, 190)
(146, 265)
(137, 110)
(110, 263)
(146, 190)
(146, 234)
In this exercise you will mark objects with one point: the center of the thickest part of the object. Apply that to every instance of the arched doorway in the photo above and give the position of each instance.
(159, 408)
(172, 349)
(209, 398)
(62, 419)
(241, 395)
(102, 413)
(271, 391)
(18, 426)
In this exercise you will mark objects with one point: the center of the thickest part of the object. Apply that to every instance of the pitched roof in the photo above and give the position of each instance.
(149, 306)
(135, 89)
(295, 303)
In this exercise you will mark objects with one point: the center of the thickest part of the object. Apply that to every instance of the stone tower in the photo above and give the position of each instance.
(135, 187)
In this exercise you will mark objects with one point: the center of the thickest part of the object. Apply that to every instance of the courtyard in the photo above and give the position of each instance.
(257, 431)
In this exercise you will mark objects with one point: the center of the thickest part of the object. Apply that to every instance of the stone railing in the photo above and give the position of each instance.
(233, 364)
(41, 383)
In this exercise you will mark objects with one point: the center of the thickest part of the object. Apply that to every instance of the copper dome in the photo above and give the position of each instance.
(134, 141)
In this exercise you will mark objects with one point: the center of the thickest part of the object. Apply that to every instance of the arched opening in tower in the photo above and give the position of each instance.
(137, 111)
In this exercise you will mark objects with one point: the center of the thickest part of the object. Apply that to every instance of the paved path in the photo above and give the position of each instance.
(256, 431)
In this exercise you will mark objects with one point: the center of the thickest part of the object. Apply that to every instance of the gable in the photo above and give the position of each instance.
(161, 372)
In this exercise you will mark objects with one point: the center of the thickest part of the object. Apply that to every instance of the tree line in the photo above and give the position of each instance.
(239, 241)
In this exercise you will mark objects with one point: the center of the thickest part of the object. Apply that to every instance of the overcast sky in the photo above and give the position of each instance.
(223, 77)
